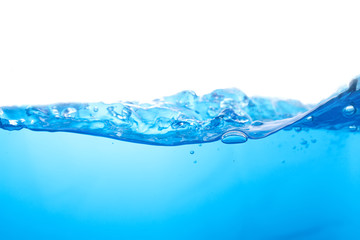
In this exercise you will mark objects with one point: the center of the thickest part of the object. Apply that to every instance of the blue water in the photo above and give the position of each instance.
(232, 167)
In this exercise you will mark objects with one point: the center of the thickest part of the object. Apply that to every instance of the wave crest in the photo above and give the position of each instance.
(185, 118)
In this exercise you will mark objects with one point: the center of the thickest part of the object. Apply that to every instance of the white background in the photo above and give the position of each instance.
(61, 51)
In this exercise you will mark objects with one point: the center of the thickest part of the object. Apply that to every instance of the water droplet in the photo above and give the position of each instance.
(257, 123)
(234, 137)
(96, 109)
(352, 128)
(192, 152)
(349, 110)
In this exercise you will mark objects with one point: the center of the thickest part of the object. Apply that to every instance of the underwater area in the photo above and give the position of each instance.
(219, 166)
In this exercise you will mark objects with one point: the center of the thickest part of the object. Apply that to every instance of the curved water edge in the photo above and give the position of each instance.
(185, 118)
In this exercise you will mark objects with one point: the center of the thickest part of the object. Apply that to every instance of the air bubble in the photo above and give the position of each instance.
(55, 112)
(69, 113)
(233, 137)
(297, 129)
(257, 123)
(309, 119)
(179, 124)
(192, 152)
(352, 128)
(349, 110)
(13, 122)
(96, 109)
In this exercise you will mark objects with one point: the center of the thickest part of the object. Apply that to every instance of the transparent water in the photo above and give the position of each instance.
(293, 174)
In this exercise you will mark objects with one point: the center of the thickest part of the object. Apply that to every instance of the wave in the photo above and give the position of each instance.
(228, 115)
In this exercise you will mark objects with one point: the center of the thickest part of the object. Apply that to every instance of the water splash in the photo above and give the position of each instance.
(185, 118)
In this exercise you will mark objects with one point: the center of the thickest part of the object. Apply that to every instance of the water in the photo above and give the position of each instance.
(229, 167)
